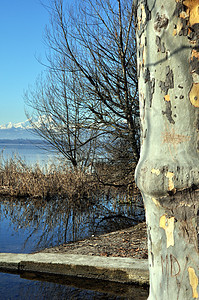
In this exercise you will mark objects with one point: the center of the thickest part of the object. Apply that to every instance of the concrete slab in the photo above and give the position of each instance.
(118, 269)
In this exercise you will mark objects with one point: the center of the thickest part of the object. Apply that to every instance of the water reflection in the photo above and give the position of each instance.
(35, 286)
(38, 224)
(30, 225)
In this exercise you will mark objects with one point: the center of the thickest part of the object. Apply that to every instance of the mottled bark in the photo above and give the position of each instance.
(168, 173)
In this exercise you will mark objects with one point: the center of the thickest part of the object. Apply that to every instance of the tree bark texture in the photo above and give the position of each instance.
(167, 172)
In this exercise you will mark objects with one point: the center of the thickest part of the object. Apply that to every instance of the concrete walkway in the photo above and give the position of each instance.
(118, 269)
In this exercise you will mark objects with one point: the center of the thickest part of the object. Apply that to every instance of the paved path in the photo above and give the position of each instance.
(118, 269)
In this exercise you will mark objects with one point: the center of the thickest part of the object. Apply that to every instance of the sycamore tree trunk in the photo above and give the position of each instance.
(168, 169)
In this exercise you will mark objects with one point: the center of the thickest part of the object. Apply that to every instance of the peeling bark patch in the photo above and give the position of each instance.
(145, 133)
(165, 86)
(194, 95)
(170, 176)
(161, 21)
(168, 225)
(193, 10)
(141, 56)
(155, 171)
(147, 75)
(184, 15)
(160, 45)
(197, 122)
(194, 33)
(187, 25)
(195, 53)
(143, 16)
(167, 98)
(169, 81)
(188, 13)
(178, 9)
(198, 146)
(193, 279)
(152, 259)
(151, 85)
(178, 28)
(156, 202)
(169, 78)
(194, 62)
(168, 112)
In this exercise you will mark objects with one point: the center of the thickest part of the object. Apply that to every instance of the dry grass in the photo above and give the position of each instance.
(20, 180)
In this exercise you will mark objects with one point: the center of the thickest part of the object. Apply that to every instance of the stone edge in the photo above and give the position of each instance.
(116, 269)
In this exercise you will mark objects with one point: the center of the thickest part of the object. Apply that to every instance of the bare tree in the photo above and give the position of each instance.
(57, 115)
(97, 40)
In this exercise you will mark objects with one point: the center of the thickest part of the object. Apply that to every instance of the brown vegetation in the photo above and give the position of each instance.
(18, 179)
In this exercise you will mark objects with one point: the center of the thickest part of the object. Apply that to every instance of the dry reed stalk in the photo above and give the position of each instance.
(20, 180)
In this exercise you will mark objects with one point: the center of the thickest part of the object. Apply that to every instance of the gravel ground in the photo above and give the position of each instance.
(130, 242)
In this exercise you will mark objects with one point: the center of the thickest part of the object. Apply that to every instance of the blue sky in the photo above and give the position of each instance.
(22, 26)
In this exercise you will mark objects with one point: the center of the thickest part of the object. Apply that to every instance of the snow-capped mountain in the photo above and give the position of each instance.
(24, 130)
(21, 130)
(22, 125)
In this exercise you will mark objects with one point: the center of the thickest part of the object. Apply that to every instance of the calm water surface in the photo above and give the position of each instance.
(28, 225)
(32, 152)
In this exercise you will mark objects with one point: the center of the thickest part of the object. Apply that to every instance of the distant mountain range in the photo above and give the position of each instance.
(21, 130)
(22, 125)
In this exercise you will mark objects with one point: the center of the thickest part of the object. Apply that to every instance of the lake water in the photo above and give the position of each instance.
(32, 152)
(27, 226)
(31, 225)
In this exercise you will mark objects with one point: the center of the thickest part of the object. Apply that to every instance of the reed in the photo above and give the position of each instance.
(54, 180)
(20, 180)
